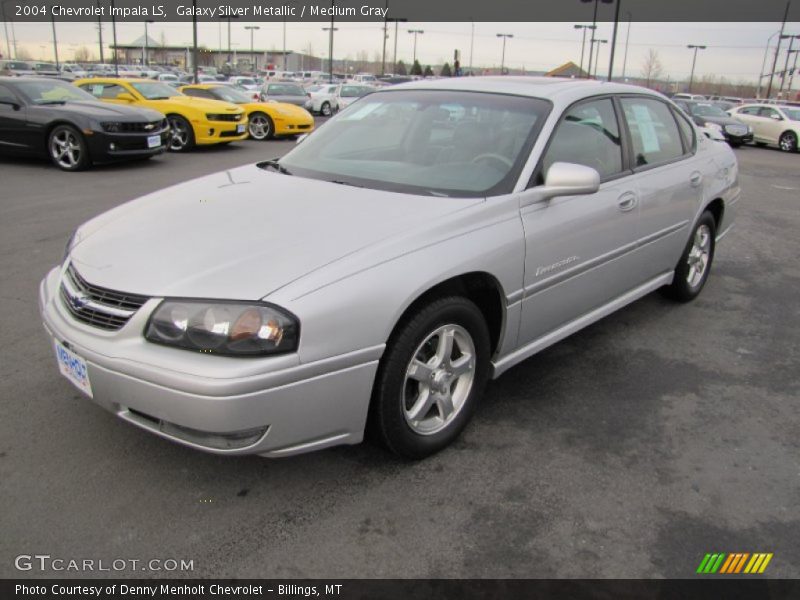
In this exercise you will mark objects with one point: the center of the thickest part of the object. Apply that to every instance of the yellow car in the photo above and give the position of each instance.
(266, 119)
(192, 121)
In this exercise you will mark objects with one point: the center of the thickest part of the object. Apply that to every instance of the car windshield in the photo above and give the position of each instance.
(434, 143)
(245, 81)
(314, 88)
(152, 90)
(18, 66)
(706, 110)
(793, 114)
(283, 89)
(52, 92)
(230, 95)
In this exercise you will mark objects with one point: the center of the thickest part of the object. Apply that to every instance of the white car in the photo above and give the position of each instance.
(73, 71)
(350, 92)
(772, 124)
(380, 273)
(324, 99)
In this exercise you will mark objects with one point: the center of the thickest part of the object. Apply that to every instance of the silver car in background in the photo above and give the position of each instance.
(415, 246)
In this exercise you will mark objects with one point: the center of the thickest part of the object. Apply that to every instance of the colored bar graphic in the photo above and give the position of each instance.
(729, 564)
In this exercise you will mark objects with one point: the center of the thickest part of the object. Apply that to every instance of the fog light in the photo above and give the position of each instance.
(112, 146)
(210, 132)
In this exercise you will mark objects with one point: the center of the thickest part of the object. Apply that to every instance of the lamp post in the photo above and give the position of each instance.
(13, 38)
(396, 21)
(761, 74)
(284, 42)
(415, 32)
(5, 27)
(505, 36)
(627, 39)
(330, 30)
(777, 50)
(55, 41)
(145, 58)
(583, 39)
(100, 33)
(594, 23)
(229, 37)
(786, 65)
(251, 29)
(694, 60)
(597, 55)
(385, 37)
(614, 40)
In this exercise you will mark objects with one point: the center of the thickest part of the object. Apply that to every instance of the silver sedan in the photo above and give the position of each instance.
(415, 246)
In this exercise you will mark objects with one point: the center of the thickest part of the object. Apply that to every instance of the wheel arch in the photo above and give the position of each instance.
(717, 209)
(480, 287)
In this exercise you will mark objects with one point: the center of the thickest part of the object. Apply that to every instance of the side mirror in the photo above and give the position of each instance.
(563, 179)
(776, 117)
(125, 97)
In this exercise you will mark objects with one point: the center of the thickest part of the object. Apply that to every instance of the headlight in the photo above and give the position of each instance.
(714, 126)
(225, 328)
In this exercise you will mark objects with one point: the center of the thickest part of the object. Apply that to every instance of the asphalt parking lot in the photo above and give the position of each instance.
(631, 449)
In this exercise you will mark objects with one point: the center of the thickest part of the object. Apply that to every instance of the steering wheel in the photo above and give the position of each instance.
(507, 164)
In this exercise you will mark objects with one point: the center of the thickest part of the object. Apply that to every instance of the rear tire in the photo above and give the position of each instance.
(430, 378)
(325, 109)
(694, 266)
(788, 142)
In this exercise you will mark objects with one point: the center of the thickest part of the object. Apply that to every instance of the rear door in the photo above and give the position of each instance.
(771, 123)
(580, 250)
(749, 116)
(668, 177)
(13, 121)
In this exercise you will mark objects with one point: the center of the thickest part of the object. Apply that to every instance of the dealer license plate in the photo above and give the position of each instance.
(153, 141)
(73, 367)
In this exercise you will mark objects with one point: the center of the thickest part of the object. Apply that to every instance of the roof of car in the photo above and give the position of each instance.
(539, 87)
(203, 86)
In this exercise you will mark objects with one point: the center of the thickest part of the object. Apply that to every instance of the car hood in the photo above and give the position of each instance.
(104, 110)
(244, 233)
(204, 104)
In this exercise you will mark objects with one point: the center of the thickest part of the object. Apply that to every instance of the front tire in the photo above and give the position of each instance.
(325, 109)
(67, 148)
(695, 263)
(261, 126)
(430, 379)
(788, 142)
(181, 134)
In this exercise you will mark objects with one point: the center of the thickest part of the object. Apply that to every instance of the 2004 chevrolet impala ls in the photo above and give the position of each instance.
(426, 239)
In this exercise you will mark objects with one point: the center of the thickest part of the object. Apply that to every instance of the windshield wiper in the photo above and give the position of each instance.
(275, 165)
(160, 98)
(45, 102)
(340, 182)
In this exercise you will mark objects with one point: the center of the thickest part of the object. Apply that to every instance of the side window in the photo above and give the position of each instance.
(767, 112)
(654, 132)
(103, 90)
(6, 95)
(749, 110)
(588, 134)
(687, 130)
(198, 93)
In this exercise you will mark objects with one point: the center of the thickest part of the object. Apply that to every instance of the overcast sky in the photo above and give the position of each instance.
(735, 50)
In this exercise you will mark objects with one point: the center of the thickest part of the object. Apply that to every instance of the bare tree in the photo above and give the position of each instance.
(83, 54)
(651, 68)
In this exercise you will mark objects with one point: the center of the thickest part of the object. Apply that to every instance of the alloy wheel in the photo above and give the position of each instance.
(178, 133)
(439, 379)
(259, 127)
(699, 256)
(65, 148)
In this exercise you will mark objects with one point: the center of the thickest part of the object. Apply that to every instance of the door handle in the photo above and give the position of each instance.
(696, 179)
(627, 201)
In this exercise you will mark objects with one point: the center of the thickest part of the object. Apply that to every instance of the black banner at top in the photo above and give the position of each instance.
(406, 10)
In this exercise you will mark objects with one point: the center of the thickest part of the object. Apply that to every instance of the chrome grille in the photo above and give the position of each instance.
(95, 305)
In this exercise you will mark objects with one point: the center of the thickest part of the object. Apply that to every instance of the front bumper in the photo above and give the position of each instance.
(107, 147)
(738, 139)
(297, 407)
(216, 132)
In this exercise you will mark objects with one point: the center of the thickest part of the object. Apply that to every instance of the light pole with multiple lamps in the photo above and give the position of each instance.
(505, 36)
(251, 29)
(416, 32)
(330, 31)
(583, 39)
(794, 69)
(597, 55)
(594, 23)
(694, 47)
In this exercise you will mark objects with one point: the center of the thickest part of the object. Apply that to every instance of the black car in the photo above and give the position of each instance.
(708, 114)
(42, 116)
